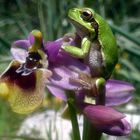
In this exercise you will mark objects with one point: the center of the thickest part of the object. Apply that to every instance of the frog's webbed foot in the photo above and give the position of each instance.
(83, 85)
(86, 83)
(72, 37)
(68, 37)
(92, 86)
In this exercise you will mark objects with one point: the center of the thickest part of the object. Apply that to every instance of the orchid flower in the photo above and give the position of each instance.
(22, 84)
(59, 68)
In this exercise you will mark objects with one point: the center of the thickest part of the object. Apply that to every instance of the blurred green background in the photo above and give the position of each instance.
(19, 17)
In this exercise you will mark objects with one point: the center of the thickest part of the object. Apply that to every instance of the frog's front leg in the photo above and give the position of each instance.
(78, 52)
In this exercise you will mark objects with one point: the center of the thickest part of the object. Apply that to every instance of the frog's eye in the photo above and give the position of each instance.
(86, 15)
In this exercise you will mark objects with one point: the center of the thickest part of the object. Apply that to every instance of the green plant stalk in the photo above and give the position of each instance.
(86, 127)
(89, 132)
(41, 19)
(73, 116)
(125, 34)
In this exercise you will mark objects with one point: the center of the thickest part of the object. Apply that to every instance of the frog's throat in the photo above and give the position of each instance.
(37, 36)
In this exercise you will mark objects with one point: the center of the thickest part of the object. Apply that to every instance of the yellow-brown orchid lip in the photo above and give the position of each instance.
(25, 93)
(10, 76)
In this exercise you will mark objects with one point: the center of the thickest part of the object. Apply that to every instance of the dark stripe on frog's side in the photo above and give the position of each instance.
(27, 82)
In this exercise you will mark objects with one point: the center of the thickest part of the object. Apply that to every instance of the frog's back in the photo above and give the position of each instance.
(108, 43)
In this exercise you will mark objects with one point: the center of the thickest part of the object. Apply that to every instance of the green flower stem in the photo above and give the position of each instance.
(89, 132)
(73, 116)
(86, 127)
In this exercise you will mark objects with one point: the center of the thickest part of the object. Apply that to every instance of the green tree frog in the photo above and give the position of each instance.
(98, 46)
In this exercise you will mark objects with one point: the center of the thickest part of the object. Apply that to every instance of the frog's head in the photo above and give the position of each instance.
(82, 19)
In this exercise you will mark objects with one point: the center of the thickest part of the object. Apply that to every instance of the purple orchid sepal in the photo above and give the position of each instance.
(118, 92)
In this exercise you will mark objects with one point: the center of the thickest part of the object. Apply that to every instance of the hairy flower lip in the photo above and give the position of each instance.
(23, 93)
(12, 77)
